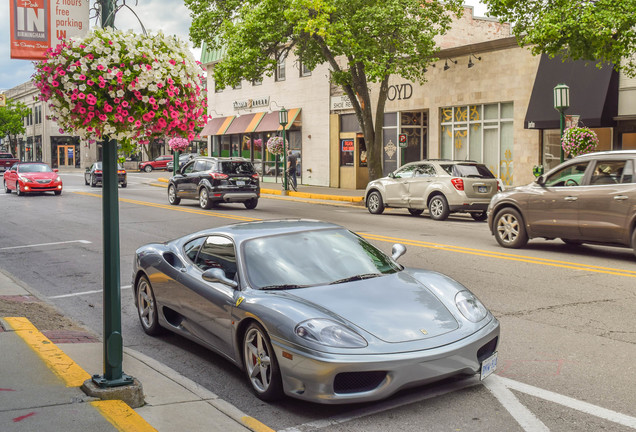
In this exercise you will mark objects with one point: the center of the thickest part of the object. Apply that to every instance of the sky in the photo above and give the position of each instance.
(169, 16)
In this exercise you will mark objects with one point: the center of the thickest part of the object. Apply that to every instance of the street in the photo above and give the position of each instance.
(567, 313)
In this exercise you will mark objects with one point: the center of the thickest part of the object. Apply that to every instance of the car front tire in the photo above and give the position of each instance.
(375, 205)
(18, 191)
(85, 181)
(148, 168)
(57, 192)
(204, 199)
(93, 181)
(173, 199)
(438, 208)
(147, 307)
(510, 230)
(251, 204)
(260, 363)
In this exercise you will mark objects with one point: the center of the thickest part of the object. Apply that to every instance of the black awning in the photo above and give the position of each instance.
(593, 94)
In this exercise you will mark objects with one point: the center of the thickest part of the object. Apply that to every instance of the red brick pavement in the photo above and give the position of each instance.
(69, 336)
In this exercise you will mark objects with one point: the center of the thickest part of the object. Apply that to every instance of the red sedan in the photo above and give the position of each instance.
(27, 177)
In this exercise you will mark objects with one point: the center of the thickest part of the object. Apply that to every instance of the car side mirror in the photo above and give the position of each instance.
(56, 170)
(541, 180)
(397, 251)
(216, 274)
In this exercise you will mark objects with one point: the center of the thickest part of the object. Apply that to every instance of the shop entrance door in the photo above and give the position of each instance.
(66, 156)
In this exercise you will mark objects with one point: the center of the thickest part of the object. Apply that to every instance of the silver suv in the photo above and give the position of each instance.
(587, 199)
(442, 186)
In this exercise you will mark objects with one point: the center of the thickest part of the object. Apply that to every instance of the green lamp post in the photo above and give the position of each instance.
(283, 119)
(561, 103)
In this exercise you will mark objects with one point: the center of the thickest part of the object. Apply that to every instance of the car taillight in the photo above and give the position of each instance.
(121, 172)
(458, 183)
(255, 176)
(499, 189)
(98, 171)
(218, 176)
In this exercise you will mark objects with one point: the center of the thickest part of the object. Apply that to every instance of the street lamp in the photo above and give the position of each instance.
(561, 103)
(282, 119)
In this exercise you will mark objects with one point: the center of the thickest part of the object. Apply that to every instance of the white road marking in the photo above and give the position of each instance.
(528, 421)
(45, 244)
(569, 402)
(85, 293)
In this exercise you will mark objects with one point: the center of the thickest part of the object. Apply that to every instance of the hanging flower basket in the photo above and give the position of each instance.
(178, 143)
(579, 140)
(258, 144)
(275, 145)
(124, 86)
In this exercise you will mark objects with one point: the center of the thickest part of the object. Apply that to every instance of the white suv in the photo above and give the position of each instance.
(439, 185)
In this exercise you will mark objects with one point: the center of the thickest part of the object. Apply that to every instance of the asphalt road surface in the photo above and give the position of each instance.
(568, 314)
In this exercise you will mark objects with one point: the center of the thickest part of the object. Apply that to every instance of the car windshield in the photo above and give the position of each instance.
(236, 168)
(98, 165)
(468, 170)
(33, 168)
(328, 257)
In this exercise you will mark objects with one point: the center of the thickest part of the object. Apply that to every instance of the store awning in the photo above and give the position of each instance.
(217, 126)
(270, 121)
(593, 94)
(245, 124)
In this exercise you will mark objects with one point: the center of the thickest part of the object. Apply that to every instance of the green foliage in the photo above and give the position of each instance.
(12, 118)
(595, 30)
(363, 41)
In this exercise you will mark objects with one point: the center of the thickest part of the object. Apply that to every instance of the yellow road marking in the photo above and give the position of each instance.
(54, 358)
(504, 255)
(120, 415)
(255, 425)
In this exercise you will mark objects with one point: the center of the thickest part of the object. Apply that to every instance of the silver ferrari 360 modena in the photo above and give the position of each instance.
(312, 310)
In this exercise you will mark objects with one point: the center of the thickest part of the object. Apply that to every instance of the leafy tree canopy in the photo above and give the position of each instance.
(12, 118)
(595, 30)
(364, 41)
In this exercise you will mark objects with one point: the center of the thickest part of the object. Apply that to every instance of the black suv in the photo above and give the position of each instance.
(214, 180)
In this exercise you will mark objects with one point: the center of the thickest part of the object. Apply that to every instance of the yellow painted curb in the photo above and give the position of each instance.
(255, 425)
(120, 415)
(54, 358)
(313, 195)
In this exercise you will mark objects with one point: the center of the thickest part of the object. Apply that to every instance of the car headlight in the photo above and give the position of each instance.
(59, 179)
(23, 179)
(470, 306)
(330, 333)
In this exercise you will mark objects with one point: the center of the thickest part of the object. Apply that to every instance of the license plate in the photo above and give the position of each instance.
(240, 183)
(488, 366)
(482, 189)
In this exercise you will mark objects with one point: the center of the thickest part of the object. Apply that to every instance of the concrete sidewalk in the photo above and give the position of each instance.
(40, 387)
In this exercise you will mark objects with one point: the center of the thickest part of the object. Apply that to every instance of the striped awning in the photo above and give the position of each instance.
(217, 126)
(245, 124)
(270, 121)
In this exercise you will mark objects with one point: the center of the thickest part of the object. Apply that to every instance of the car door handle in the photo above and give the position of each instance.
(620, 197)
(571, 198)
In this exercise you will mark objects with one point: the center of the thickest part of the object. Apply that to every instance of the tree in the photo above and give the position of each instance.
(12, 122)
(364, 42)
(595, 30)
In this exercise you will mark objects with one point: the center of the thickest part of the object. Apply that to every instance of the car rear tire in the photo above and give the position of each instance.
(204, 199)
(479, 216)
(375, 205)
(6, 188)
(148, 168)
(438, 208)
(510, 230)
(173, 199)
(147, 307)
(260, 363)
(251, 204)
(415, 212)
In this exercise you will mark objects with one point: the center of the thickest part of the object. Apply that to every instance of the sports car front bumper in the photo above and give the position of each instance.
(333, 379)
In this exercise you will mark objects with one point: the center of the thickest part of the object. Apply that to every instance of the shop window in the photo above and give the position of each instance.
(346, 151)
(362, 152)
(482, 133)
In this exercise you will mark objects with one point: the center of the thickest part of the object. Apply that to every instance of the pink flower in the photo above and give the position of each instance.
(131, 119)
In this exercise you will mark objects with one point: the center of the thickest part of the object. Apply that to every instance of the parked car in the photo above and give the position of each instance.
(214, 180)
(442, 186)
(7, 160)
(587, 199)
(183, 158)
(28, 177)
(157, 164)
(93, 175)
(312, 310)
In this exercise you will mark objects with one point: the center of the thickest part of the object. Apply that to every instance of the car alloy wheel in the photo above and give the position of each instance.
(204, 199)
(6, 188)
(147, 307)
(148, 168)
(375, 205)
(173, 199)
(510, 231)
(18, 191)
(438, 207)
(261, 366)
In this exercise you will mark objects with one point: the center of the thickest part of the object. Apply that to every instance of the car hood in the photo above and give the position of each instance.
(40, 175)
(394, 308)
